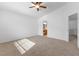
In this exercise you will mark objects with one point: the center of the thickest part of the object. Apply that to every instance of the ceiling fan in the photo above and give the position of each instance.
(38, 5)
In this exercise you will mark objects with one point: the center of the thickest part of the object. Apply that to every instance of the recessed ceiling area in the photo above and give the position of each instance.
(23, 8)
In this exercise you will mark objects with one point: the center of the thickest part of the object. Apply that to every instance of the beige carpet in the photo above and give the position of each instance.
(44, 47)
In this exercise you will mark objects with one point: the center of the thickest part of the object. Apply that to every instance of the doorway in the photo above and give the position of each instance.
(45, 29)
(73, 29)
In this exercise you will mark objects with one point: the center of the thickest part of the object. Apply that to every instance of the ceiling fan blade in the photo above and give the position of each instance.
(37, 9)
(37, 2)
(40, 3)
(43, 6)
(34, 3)
(31, 6)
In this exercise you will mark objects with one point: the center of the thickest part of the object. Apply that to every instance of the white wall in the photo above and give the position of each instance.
(58, 21)
(57, 26)
(15, 26)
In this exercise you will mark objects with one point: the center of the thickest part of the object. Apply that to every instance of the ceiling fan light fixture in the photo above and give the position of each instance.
(37, 5)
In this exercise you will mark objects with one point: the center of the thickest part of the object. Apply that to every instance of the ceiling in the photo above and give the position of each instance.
(23, 8)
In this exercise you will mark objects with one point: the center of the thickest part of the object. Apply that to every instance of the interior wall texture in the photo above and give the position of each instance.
(58, 22)
(15, 26)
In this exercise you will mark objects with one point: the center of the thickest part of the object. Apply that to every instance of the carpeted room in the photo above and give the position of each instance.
(18, 21)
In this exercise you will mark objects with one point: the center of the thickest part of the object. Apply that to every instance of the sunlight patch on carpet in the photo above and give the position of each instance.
(24, 45)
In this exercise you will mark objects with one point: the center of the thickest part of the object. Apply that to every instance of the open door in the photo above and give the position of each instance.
(73, 29)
